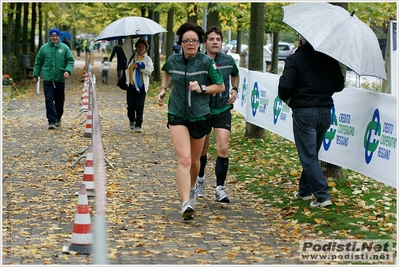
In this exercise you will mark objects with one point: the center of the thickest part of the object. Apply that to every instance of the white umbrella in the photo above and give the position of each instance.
(334, 31)
(130, 26)
(128, 47)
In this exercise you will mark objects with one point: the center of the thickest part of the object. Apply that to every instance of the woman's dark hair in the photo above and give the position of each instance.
(142, 41)
(189, 26)
(215, 30)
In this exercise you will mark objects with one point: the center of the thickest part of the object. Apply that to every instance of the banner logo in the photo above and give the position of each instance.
(255, 99)
(244, 92)
(280, 110)
(330, 134)
(371, 134)
(379, 138)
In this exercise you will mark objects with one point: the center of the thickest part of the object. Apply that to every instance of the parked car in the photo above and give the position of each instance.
(267, 57)
(284, 49)
(232, 48)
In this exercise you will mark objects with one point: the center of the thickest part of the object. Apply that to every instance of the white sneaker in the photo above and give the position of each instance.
(193, 196)
(220, 195)
(298, 196)
(200, 188)
(187, 211)
(325, 203)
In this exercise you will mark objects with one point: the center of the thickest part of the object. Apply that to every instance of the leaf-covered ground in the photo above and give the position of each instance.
(144, 224)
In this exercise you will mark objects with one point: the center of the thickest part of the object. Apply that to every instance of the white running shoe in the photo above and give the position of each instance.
(220, 195)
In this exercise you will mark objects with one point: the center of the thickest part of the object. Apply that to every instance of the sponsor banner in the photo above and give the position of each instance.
(363, 132)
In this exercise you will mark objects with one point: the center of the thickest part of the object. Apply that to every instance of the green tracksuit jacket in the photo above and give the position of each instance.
(183, 103)
(52, 61)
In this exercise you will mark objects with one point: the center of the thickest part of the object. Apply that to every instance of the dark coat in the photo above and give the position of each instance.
(310, 78)
(120, 56)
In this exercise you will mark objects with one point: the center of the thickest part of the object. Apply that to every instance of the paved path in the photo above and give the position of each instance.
(144, 224)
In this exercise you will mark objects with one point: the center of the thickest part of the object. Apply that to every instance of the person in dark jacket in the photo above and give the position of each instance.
(221, 105)
(65, 41)
(195, 78)
(78, 46)
(120, 57)
(55, 61)
(307, 84)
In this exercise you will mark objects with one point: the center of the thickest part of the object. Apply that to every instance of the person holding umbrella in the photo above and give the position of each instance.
(138, 73)
(195, 78)
(308, 81)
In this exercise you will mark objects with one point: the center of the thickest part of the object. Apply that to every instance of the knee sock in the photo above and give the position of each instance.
(222, 164)
(203, 160)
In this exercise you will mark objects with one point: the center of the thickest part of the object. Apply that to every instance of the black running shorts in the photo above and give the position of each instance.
(197, 129)
(221, 120)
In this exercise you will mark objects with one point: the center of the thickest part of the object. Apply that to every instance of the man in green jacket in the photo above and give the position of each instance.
(221, 105)
(55, 61)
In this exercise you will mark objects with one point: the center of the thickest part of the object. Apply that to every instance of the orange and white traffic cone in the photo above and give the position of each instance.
(89, 124)
(82, 234)
(84, 74)
(85, 101)
(88, 175)
(83, 77)
(85, 86)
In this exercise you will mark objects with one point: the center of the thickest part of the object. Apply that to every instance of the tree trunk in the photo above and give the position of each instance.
(253, 131)
(256, 33)
(156, 75)
(143, 10)
(331, 170)
(239, 37)
(9, 36)
(213, 16)
(274, 66)
(170, 35)
(255, 60)
(150, 39)
(17, 40)
(40, 25)
(33, 29)
(192, 14)
(25, 30)
(239, 41)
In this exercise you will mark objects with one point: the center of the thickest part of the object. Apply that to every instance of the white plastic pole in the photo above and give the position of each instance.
(100, 228)
(38, 86)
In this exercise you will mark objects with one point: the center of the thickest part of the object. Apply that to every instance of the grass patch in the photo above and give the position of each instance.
(363, 208)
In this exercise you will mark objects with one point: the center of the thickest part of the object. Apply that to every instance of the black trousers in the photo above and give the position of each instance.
(135, 104)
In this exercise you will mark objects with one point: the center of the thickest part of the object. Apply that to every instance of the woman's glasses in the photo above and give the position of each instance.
(195, 41)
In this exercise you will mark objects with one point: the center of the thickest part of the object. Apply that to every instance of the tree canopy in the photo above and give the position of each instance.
(93, 17)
